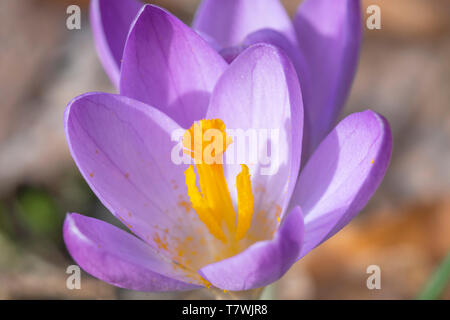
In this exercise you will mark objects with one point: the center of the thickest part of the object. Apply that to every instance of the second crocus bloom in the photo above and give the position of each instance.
(323, 42)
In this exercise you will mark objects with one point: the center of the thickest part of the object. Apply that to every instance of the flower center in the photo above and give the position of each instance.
(206, 142)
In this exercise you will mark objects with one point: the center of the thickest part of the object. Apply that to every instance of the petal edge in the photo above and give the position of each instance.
(116, 257)
(263, 262)
(342, 175)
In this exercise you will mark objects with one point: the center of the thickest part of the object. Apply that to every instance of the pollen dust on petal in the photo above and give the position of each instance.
(278, 212)
(174, 184)
(185, 205)
(259, 188)
(160, 242)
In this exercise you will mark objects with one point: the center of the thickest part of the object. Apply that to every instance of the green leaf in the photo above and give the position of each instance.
(39, 211)
(438, 281)
(5, 223)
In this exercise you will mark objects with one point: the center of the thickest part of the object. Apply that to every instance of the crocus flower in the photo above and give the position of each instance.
(322, 41)
(238, 229)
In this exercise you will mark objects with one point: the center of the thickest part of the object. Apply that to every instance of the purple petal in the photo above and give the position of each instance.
(329, 35)
(110, 22)
(169, 66)
(342, 175)
(230, 21)
(277, 39)
(268, 36)
(210, 40)
(123, 150)
(117, 257)
(260, 92)
(231, 53)
(262, 263)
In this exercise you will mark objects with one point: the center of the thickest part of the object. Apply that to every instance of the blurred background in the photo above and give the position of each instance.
(404, 73)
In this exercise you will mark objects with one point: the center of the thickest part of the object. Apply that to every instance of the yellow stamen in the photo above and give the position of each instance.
(204, 131)
(205, 142)
(245, 202)
(200, 205)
